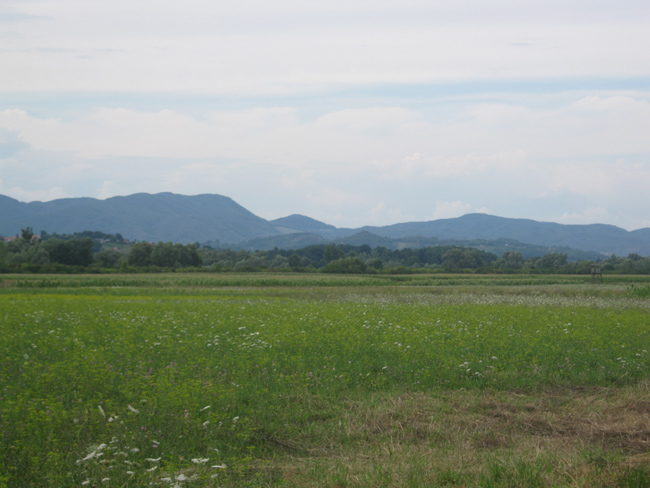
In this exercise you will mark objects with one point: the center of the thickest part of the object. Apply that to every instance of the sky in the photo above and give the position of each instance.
(362, 112)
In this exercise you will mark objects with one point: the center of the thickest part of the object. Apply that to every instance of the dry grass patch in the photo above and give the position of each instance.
(554, 437)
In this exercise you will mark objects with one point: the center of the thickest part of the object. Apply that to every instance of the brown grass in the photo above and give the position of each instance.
(565, 437)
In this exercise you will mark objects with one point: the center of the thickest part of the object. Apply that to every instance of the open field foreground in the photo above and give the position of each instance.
(324, 381)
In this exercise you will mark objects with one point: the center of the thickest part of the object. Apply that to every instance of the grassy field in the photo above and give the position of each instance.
(322, 380)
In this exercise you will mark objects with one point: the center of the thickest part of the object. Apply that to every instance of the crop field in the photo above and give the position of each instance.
(182, 380)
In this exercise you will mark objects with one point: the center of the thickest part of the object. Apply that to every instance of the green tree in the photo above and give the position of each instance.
(73, 252)
(140, 254)
(551, 261)
(27, 233)
(332, 253)
(279, 262)
(33, 255)
(465, 258)
(511, 260)
(3, 255)
(165, 255)
(188, 255)
(108, 258)
(294, 261)
(353, 265)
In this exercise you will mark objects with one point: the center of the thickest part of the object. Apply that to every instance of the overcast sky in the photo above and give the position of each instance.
(351, 112)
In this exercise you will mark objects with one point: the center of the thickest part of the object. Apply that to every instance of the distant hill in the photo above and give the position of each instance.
(285, 241)
(498, 246)
(145, 217)
(606, 239)
(643, 234)
(221, 221)
(300, 223)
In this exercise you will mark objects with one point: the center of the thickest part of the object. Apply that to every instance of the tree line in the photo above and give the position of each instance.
(91, 251)
(98, 252)
(364, 259)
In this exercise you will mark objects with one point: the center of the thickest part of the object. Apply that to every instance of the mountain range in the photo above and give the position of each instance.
(220, 221)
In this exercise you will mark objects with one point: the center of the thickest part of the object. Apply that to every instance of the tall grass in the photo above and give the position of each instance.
(638, 291)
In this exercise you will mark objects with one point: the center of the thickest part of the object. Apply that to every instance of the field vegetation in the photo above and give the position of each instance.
(299, 380)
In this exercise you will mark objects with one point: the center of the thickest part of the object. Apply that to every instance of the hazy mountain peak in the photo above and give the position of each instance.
(301, 223)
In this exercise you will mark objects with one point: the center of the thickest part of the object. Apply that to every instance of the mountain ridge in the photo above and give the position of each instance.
(603, 238)
(220, 220)
(141, 216)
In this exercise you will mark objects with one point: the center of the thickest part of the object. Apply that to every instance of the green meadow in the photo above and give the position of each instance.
(300, 380)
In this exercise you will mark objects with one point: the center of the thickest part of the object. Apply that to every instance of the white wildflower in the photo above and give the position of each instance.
(200, 460)
(134, 410)
(153, 460)
(89, 456)
(219, 466)
(152, 469)
(181, 477)
(104, 480)
(93, 454)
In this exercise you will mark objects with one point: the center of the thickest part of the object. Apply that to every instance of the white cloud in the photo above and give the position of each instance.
(598, 179)
(497, 112)
(43, 195)
(592, 215)
(367, 120)
(284, 46)
(619, 103)
(483, 154)
(10, 144)
(365, 111)
(473, 164)
(449, 210)
(108, 189)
